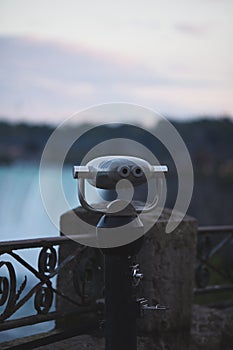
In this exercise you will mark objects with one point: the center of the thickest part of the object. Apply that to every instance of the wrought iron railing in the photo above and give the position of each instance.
(214, 267)
(14, 294)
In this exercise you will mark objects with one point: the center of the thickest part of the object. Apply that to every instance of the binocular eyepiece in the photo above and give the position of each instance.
(111, 171)
(125, 171)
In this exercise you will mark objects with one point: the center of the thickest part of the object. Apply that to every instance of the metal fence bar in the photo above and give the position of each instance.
(28, 343)
(35, 319)
(215, 229)
(5, 246)
(214, 288)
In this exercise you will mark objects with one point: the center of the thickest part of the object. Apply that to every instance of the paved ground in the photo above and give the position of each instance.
(82, 342)
(211, 330)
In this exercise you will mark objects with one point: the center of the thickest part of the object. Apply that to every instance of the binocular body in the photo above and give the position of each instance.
(105, 172)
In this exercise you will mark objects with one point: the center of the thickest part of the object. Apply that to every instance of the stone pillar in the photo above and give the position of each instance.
(167, 262)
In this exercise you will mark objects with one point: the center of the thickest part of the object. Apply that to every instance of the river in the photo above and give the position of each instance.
(23, 216)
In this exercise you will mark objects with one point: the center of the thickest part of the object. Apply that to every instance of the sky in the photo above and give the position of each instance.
(57, 57)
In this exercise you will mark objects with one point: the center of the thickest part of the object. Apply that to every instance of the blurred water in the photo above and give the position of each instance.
(23, 216)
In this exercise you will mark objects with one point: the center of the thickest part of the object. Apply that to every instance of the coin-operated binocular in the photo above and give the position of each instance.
(130, 178)
(120, 233)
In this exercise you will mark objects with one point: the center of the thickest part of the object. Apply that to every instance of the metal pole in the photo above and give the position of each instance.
(120, 300)
(120, 305)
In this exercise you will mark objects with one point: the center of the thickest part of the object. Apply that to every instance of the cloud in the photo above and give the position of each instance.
(191, 28)
(44, 79)
(38, 77)
(68, 63)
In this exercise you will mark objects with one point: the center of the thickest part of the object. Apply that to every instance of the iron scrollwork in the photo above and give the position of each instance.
(9, 295)
(8, 290)
(11, 299)
(4, 290)
(47, 260)
(86, 277)
(43, 299)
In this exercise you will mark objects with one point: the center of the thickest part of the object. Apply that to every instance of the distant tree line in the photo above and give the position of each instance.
(209, 141)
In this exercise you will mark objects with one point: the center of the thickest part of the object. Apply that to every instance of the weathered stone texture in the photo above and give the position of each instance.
(167, 262)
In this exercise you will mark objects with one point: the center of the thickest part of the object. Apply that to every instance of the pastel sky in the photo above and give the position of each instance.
(57, 57)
